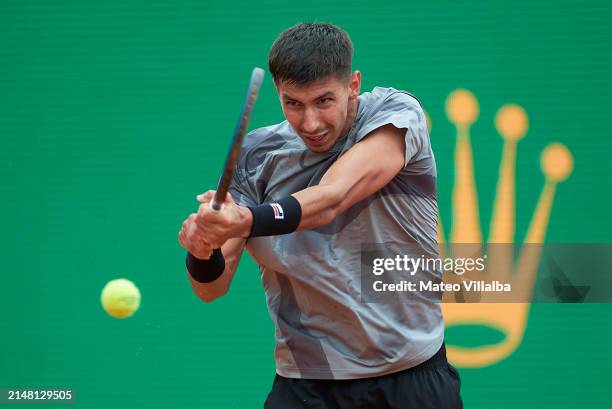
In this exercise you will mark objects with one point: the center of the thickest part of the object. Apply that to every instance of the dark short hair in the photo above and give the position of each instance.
(308, 52)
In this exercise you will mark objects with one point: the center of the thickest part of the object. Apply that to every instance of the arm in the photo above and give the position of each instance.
(363, 170)
(207, 292)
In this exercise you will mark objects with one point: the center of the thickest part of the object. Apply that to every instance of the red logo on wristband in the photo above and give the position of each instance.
(278, 211)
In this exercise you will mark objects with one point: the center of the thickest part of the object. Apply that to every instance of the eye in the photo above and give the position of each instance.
(291, 103)
(325, 101)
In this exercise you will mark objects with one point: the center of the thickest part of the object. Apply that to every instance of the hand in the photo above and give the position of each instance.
(221, 225)
(192, 238)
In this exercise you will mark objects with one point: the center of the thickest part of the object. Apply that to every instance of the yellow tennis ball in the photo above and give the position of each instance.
(120, 298)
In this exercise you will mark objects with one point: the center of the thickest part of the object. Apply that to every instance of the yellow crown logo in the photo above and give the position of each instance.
(512, 123)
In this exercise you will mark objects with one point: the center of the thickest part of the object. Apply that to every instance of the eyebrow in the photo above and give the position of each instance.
(325, 95)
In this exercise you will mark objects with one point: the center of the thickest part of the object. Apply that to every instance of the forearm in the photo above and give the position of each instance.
(320, 205)
(354, 177)
(316, 207)
(207, 292)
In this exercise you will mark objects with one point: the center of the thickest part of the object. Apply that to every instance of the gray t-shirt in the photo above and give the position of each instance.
(312, 279)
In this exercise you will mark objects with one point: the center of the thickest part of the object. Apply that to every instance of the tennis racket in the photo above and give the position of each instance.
(236, 144)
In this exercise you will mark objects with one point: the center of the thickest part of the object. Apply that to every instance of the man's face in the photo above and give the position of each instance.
(322, 111)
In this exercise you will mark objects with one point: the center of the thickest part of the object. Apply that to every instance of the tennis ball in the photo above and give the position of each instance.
(120, 298)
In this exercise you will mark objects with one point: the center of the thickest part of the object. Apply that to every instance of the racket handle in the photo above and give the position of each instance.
(216, 203)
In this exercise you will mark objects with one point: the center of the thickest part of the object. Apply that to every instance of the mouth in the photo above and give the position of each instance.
(317, 139)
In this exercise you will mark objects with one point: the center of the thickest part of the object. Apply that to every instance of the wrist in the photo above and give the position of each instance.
(206, 271)
(276, 218)
(246, 222)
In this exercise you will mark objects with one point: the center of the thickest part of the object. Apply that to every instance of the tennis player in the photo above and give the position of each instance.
(343, 171)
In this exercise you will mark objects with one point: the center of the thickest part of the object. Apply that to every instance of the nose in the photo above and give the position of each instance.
(311, 122)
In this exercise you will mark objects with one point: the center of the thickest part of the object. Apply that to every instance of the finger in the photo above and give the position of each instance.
(183, 239)
(193, 233)
(213, 243)
(206, 246)
(191, 219)
(229, 200)
(197, 219)
(203, 211)
(207, 216)
(208, 234)
(204, 255)
(203, 249)
(206, 197)
(197, 238)
(205, 240)
(199, 254)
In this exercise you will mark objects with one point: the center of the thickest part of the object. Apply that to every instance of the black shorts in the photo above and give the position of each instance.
(433, 384)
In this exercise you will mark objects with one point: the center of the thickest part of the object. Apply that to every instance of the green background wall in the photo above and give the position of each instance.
(115, 114)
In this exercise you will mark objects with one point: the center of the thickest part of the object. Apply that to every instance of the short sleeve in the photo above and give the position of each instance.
(249, 180)
(240, 189)
(242, 186)
(404, 112)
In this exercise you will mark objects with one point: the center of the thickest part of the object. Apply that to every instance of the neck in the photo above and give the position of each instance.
(353, 106)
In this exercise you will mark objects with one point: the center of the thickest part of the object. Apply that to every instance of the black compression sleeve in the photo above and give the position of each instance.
(206, 271)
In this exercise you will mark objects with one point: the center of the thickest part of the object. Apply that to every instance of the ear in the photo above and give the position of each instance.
(354, 84)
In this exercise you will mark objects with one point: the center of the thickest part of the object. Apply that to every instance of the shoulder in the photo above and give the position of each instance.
(263, 142)
(389, 97)
(384, 106)
(268, 136)
(389, 105)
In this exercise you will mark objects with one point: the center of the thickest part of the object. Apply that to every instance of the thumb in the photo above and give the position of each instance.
(206, 197)
(229, 200)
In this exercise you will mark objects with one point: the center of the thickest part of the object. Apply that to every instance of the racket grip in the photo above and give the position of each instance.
(215, 205)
